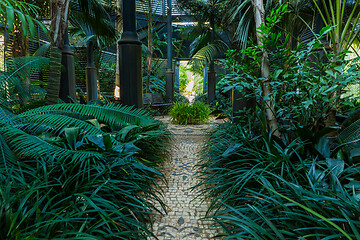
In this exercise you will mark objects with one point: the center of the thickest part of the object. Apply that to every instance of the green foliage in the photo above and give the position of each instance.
(155, 85)
(55, 199)
(107, 76)
(79, 171)
(196, 73)
(17, 87)
(221, 106)
(264, 189)
(20, 14)
(185, 113)
(302, 81)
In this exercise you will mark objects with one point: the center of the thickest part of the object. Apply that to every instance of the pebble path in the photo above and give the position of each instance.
(183, 220)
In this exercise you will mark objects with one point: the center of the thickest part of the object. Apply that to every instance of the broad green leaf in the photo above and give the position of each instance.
(72, 135)
(10, 17)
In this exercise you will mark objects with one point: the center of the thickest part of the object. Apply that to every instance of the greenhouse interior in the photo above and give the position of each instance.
(180, 119)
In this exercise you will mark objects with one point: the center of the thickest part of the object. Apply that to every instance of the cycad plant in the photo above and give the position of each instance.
(72, 171)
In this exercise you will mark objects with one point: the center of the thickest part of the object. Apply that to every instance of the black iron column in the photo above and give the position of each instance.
(211, 73)
(169, 71)
(205, 75)
(131, 91)
(67, 80)
(177, 76)
(91, 74)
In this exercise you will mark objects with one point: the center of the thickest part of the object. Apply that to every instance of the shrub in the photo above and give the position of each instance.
(186, 113)
(265, 189)
(221, 105)
(72, 171)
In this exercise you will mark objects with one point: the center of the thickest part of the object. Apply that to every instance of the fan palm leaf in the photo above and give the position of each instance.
(114, 115)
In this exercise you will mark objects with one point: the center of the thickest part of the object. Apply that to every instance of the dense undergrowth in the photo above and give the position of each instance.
(300, 180)
(264, 189)
(72, 171)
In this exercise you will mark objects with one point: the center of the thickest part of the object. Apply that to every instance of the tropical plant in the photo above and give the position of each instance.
(185, 113)
(204, 47)
(13, 10)
(342, 17)
(265, 189)
(301, 81)
(79, 171)
(18, 85)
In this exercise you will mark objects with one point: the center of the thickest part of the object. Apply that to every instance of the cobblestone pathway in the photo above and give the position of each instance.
(183, 220)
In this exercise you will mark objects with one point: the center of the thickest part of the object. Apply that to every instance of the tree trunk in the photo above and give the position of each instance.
(58, 25)
(259, 14)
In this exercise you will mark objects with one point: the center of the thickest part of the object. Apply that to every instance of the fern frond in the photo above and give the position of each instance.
(57, 123)
(116, 116)
(28, 146)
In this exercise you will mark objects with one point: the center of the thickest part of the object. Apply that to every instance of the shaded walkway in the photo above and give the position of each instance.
(184, 213)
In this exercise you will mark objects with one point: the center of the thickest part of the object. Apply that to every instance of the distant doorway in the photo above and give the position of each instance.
(190, 80)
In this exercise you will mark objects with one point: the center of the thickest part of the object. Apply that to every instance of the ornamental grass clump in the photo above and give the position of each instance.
(185, 113)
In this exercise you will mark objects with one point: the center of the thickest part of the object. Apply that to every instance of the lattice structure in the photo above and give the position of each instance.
(159, 7)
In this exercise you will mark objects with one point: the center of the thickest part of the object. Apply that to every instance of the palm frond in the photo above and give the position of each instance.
(209, 52)
(16, 84)
(26, 66)
(199, 42)
(42, 50)
(7, 158)
(26, 145)
(114, 115)
(56, 123)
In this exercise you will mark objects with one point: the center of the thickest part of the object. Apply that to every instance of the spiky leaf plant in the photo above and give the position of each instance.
(265, 189)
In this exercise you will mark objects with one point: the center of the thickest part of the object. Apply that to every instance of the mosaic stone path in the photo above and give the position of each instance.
(184, 212)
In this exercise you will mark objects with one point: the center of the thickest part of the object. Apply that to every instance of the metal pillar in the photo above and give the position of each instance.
(211, 86)
(130, 59)
(91, 74)
(169, 71)
(177, 76)
(205, 74)
(67, 79)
